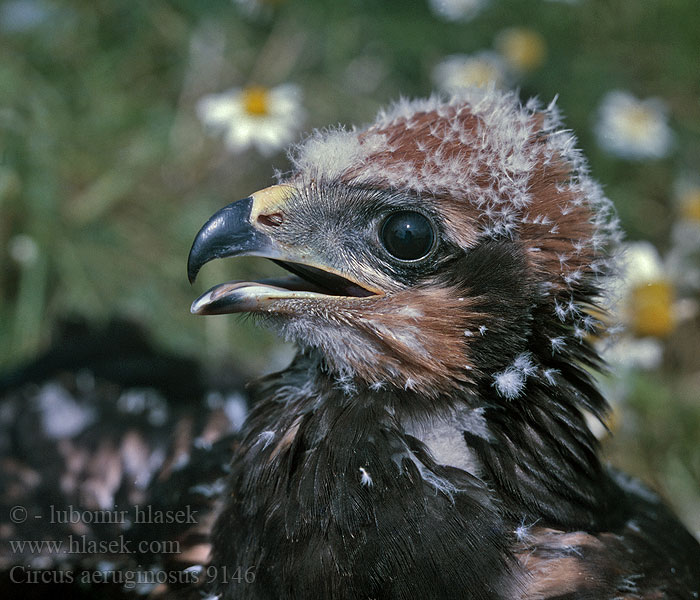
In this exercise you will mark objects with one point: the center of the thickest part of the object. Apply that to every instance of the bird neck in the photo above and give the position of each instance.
(326, 472)
(535, 451)
(542, 459)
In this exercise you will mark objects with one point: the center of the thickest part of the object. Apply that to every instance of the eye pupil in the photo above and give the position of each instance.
(407, 235)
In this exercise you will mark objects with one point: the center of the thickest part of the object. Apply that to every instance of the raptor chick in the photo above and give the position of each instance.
(429, 440)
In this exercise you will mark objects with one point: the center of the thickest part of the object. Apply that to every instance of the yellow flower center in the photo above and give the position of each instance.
(651, 309)
(690, 204)
(479, 74)
(256, 101)
(637, 122)
(523, 49)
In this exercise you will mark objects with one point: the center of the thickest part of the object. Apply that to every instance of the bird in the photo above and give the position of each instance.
(448, 265)
(113, 454)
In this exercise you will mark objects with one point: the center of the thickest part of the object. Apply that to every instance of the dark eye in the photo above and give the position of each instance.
(407, 235)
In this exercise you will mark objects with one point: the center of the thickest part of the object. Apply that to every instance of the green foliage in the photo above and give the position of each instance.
(107, 170)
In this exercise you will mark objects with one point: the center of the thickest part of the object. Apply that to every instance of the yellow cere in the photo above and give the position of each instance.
(651, 309)
(256, 100)
(523, 49)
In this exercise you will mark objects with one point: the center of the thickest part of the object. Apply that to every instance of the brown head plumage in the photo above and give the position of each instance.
(514, 216)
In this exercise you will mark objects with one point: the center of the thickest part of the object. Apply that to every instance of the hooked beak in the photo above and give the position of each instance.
(245, 228)
(228, 233)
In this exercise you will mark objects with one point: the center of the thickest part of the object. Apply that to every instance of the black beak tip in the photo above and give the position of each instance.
(192, 271)
(194, 264)
(226, 233)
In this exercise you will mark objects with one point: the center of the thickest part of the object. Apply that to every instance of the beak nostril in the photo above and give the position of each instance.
(271, 220)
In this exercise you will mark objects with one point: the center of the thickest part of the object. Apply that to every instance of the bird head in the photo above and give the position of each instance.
(452, 244)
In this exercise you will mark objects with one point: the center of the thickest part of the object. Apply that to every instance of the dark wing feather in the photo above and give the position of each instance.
(649, 556)
(79, 453)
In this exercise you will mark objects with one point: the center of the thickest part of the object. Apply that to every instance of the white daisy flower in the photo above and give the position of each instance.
(652, 299)
(647, 307)
(266, 118)
(644, 300)
(460, 71)
(647, 292)
(632, 128)
(457, 10)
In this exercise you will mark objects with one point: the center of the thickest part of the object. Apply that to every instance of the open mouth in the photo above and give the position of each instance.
(325, 282)
(236, 230)
(306, 282)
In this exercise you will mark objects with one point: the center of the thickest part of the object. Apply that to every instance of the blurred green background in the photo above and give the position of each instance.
(106, 171)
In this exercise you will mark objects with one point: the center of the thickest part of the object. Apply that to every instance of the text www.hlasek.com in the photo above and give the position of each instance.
(80, 544)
